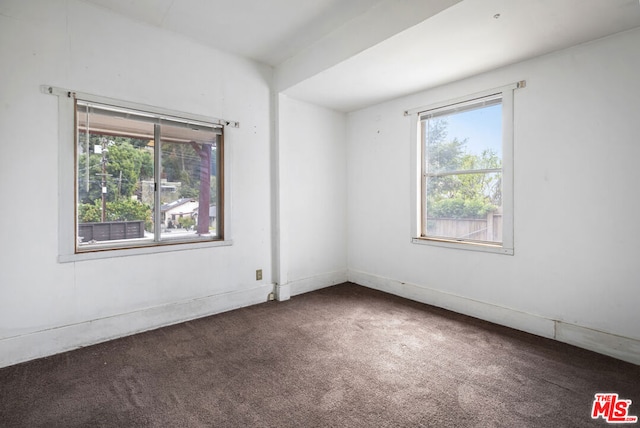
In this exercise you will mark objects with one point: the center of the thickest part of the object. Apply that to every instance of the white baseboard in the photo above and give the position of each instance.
(620, 347)
(623, 348)
(283, 292)
(317, 282)
(52, 341)
(44, 343)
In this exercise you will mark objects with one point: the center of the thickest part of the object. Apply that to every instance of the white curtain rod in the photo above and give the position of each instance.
(53, 90)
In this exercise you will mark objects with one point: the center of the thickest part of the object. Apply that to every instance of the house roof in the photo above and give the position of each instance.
(174, 204)
(213, 209)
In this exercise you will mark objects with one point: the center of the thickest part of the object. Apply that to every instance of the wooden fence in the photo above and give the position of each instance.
(111, 230)
(489, 229)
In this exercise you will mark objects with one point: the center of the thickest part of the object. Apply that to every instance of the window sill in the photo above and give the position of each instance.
(469, 246)
(109, 253)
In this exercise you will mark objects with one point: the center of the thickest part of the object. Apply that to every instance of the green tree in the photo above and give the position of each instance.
(180, 163)
(121, 210)
(187, 222)
(90, 213)
(469, 195)
(125, 165)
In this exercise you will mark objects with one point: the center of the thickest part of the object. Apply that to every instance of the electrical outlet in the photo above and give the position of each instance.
(258, 274)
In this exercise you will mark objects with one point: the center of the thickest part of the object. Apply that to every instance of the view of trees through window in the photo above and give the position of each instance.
(117, 188)
(462, 171)
(118, 165)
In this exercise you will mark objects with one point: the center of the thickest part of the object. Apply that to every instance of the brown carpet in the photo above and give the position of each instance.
(345, 356)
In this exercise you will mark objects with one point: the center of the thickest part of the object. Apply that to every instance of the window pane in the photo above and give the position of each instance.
(462, 170)
(466, 140)
(189, 183)
(114, 160)
(464, 207)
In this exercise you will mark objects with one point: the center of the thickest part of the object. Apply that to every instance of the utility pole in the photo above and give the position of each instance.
(88, 160)
(120, 185)
(104, 180)
(104, 175)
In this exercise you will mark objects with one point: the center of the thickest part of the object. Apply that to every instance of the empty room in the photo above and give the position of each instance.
(347, 213)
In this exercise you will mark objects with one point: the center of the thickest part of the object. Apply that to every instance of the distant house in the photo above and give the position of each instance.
(172, 212)
(169, 191)
(213, 213)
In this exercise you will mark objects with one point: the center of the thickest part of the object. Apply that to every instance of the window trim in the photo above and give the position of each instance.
(507, 247)
(67, 186)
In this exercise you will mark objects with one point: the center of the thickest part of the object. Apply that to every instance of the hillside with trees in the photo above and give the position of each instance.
(111, 170)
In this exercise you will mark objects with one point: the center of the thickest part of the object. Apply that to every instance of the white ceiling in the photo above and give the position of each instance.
(268, 31)
(462, 40)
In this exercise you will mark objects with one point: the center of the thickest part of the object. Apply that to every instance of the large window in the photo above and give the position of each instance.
(145, 179)
(464, 150)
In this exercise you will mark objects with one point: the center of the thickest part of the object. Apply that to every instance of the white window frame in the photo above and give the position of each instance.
(507, 246)
(67, 186)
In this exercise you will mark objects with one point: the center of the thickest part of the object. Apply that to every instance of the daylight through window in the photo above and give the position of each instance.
(144, 179)
(463, 172)
(465, 151)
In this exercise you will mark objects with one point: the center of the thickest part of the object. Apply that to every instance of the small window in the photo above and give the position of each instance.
(145, 179)
(465, 189)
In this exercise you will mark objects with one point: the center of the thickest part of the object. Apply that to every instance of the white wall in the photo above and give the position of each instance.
(46, 306)
(575, 274)
(312, 194)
